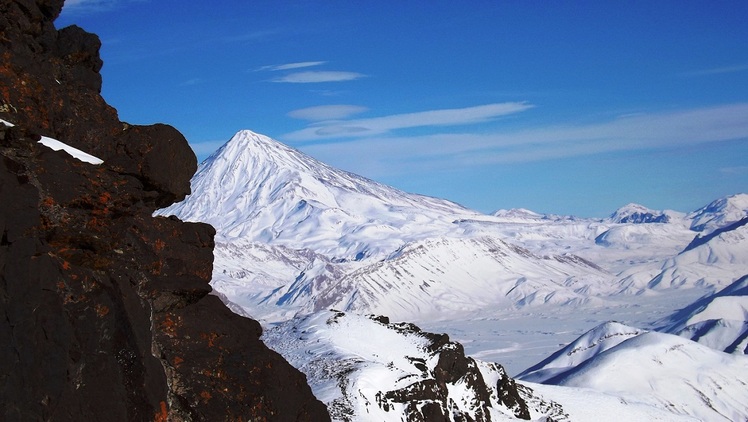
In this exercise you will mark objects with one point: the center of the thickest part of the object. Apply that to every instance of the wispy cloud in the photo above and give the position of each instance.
(718, 70)
(77, 3)
(381, 156)
(78, 6)
(288, 66)
(82, 7)
(318, 76)
(327, 112)
(380, 125)
(734, 171)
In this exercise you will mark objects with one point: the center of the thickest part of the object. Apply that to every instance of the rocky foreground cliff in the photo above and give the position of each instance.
(105, 311)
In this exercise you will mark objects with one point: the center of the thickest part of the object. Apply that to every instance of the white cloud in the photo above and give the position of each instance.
(318, 76)
(289, 66)
(734, 171)
(718, 70)
(382, 156)
(73, 3)
(79, 7)
(327, 112)
(87, 5)
(380, 125)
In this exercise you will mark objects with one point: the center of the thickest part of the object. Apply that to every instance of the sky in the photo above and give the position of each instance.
(560, 107)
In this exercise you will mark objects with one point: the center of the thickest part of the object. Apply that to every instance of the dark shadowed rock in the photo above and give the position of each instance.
(105, 312)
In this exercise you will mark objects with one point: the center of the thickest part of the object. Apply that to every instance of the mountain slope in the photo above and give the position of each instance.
(719, 213)
(587, 346)
(426, 279)
(655, 369)
(671, 372)
(256, 188)
(708, 262)
(719, 321)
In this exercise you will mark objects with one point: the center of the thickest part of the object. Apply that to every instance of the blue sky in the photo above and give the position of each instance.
(560, 107)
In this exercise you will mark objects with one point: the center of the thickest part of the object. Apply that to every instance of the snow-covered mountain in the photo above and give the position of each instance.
(639, 214)
(688, 375)
(666, 371)
(719, 213)
(599, 339)
(712, 262)
(295, 235)
(719, 321)
(256, 188)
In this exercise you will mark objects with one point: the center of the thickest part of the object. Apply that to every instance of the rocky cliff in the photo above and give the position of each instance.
(105, 311)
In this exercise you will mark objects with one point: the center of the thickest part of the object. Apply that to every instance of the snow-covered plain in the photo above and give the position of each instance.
(296, 237)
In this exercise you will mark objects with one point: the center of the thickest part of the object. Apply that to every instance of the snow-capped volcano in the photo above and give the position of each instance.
(296, 235)
(258, 189)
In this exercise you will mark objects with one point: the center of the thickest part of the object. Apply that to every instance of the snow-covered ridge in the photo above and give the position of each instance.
(669, 372)
(719, 213)
(587, 346)
(56, 145)
(366, 368)
(719, 321)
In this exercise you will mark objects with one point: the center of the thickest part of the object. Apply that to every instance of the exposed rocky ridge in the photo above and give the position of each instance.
(367, 368)
(105, 312)
(452, 367)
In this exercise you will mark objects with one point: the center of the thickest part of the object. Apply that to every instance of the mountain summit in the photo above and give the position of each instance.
(258, 189)
(638, 214)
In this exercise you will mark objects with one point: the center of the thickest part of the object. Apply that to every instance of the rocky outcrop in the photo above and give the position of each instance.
(429, 399)
(105, 311)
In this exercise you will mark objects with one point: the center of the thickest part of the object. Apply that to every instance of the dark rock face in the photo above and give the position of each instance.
(105, 312)
(645, 218)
